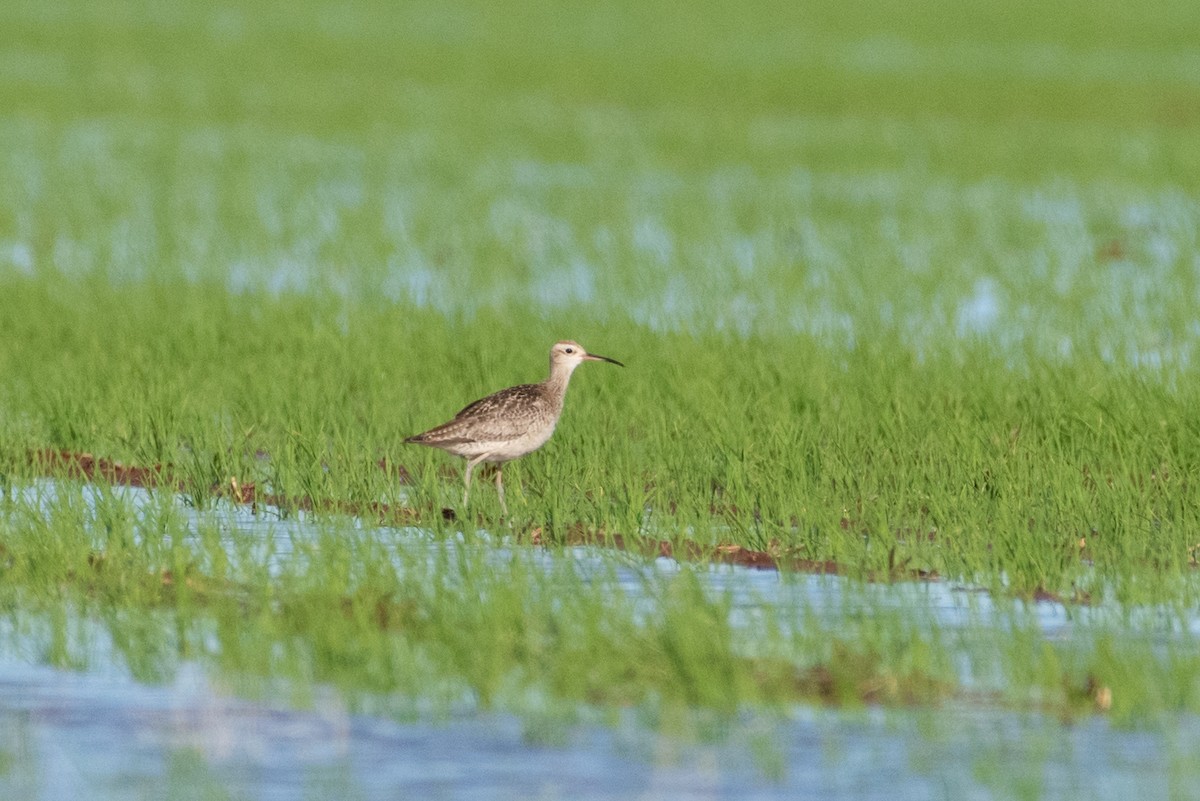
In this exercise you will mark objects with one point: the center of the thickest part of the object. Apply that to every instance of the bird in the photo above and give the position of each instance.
(511, 423)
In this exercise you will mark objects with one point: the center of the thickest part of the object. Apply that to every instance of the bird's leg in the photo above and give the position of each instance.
(471, 463)
(500, 487)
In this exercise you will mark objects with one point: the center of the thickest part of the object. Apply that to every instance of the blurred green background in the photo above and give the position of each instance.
(909, 172)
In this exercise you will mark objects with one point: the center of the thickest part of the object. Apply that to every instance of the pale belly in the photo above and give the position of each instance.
(507, 450)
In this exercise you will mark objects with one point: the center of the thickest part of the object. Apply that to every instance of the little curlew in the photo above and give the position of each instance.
(510, 423)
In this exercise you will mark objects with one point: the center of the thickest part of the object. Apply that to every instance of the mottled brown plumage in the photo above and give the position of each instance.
(510, 423)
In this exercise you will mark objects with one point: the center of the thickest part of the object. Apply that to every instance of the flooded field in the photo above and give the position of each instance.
(906, 295)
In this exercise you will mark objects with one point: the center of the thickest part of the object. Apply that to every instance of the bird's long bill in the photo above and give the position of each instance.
(596, 358)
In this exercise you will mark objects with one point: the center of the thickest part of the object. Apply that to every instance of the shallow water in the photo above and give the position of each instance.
(100, 733)
(71, 735)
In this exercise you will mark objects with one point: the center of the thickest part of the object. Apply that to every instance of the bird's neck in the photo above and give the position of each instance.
(556, 384)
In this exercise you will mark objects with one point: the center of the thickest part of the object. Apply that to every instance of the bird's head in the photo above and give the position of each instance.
(569, 354)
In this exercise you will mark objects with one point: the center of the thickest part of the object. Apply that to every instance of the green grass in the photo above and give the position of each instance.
(957, 462)
(903, 287)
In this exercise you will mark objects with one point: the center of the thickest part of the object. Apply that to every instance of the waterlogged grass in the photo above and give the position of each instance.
(911, 289)
(379, 613)
(401, 621)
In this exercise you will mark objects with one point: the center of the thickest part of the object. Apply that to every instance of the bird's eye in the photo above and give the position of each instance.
(569, 350)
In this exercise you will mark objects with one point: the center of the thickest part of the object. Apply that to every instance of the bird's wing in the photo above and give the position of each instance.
(499, 416)
(502, 403)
